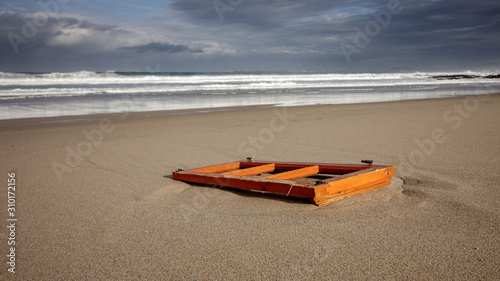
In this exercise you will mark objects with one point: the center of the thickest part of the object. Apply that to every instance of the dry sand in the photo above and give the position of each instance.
(116, 214)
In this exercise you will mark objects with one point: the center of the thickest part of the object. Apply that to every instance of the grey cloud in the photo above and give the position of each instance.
(301, 25)
(23, 31)
(260, 14)
(28, 42)
(161, 48)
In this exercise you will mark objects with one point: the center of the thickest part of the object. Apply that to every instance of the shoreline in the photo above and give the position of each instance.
(72, 119)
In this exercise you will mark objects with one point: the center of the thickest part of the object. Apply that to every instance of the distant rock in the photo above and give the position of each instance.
(454, 77)
(464, 76)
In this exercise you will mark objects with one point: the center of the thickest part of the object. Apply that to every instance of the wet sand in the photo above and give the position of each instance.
(95, 198)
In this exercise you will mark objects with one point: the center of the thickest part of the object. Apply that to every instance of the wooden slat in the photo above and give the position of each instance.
(354, 180)
(323, 200)
(252, 171)
(218, 168)
(327, 168)
(252, 183)
(296, 174)
(359, 180)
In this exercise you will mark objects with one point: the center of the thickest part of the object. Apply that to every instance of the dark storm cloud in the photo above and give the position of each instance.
(24, 32)
(276, 14)
(448, 33)
(443, 30)
(258, 13)
(274, 34)
(161, 48)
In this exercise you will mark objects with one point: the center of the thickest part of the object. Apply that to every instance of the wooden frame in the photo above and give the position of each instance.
(321, 183)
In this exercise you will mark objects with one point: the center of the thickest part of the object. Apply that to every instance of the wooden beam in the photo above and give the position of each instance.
(353, 180)
(252, 171)
(327, 168)
(296, 174)
(244, 182)
(325, 199)
(359, 179)
(218, 168)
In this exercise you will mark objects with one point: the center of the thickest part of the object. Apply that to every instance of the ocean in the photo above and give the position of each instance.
(27, 95)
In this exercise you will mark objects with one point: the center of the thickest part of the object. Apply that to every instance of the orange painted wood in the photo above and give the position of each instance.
(252, 171)
(323, 200)
(218, 168)
(349, 179)
(252, 183)
(327, 168)
(296, 174)
(357, 180)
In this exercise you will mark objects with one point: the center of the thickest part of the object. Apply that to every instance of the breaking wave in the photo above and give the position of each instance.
(87, 83)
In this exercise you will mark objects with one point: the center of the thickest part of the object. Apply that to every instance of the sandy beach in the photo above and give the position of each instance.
(95, 199)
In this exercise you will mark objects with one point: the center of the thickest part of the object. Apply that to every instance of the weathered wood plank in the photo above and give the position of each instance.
(296, 174)
(218, 168)
(325, 199)
(252, 171)
(327, 168)
(244, 182)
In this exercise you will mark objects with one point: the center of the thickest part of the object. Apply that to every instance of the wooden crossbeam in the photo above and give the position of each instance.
(218, 168)
(296, 174)
(252, 171)
(327, 168)
(244, 182)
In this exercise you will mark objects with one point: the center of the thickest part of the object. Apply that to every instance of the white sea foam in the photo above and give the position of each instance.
(86, 92)
(18, 85)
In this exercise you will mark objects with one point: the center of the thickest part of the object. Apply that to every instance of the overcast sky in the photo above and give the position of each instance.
(226, 35)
